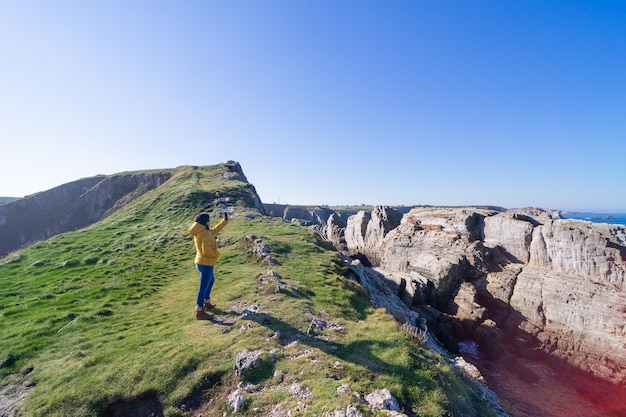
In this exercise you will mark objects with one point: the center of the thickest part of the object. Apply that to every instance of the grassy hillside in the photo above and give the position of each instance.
(94, 319)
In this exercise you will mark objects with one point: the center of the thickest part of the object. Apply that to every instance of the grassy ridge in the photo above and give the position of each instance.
(107, 312)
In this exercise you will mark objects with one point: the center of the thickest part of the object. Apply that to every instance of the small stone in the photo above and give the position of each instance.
(344, 389)
(382, 400)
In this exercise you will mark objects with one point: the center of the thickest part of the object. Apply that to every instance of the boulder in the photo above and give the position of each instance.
(382, 400)
(246, 360)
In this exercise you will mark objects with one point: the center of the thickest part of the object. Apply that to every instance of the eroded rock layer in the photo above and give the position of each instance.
(525, 281)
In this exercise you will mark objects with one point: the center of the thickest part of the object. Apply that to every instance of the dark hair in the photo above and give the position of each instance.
(202, 218)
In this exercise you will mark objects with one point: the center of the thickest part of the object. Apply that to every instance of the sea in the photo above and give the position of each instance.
(610, 218)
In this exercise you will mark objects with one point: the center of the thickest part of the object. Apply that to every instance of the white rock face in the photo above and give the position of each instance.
(511, 233)
(356, 230)
(365, 230)
(576, 248)
(334, 231)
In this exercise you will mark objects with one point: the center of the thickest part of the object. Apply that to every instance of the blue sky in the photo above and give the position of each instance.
(508, 103)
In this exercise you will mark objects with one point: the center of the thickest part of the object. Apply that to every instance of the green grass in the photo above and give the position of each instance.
(107, 312)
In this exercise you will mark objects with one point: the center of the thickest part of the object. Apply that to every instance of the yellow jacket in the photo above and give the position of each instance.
(204, 239)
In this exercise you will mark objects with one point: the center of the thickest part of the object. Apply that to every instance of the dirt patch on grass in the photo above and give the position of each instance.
(146, 404)
(211, 400)
(11, 397)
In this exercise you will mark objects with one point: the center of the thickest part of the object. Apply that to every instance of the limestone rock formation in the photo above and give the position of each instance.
(382, 400)
(349, 230)
(523, 280)
(356, 230)
(365, 230)
(334, 231)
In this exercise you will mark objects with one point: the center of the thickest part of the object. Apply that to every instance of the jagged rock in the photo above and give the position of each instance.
(334, 232)
(433, 244)
(246, 359)
(459, 362)
(538, 213)
(279, 410)
(464, 221)
(511, 232)
(344, 389)
(279, 376)
(365, 231)
(382, 400)
(576, 248)
(381, 295)
(355, 231)
(298, 391)
(467, 309)
(260, 248)
(235, 400)
(352, 411)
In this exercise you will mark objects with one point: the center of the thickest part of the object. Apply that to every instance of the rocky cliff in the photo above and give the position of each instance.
(81, 203)
(523, 281)
(70, 206)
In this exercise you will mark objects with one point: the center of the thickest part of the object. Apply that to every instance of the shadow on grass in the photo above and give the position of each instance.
(145, 404)
(360, 353)
(224, 318)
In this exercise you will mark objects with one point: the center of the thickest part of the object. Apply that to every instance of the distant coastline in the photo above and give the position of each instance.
(596, 217)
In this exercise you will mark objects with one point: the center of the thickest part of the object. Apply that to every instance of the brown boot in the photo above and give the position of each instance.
(203, 315)
(208, 304)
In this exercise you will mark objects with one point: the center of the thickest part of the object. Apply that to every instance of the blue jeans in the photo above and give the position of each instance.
(206, 283)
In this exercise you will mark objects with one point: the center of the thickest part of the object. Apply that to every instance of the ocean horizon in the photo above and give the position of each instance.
(597, 217)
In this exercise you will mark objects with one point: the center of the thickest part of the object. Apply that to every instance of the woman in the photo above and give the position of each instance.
(206, 257)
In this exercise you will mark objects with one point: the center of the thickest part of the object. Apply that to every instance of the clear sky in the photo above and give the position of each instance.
(510, 103)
